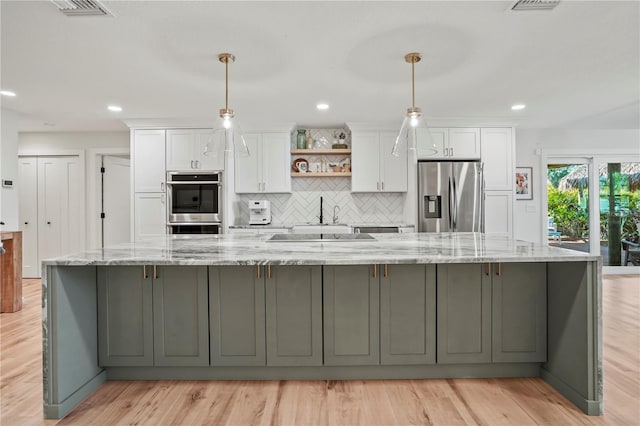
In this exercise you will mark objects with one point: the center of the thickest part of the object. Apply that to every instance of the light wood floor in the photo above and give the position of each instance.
(381, 402)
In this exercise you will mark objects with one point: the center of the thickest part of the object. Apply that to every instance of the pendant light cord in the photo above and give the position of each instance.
(413, 85)
(226, 84)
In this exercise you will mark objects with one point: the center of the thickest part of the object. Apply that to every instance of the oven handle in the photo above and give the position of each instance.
(193, 223)
(201, 182)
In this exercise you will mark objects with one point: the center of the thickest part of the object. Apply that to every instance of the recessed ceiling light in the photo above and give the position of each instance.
(114, 108)
(7, 93)
(518, 106)
(322, 106)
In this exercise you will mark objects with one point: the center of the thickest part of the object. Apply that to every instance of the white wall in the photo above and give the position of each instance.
(531, 143)
(9, 170)
(41, 143)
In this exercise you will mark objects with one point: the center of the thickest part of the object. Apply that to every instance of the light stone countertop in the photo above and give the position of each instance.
(251, 249)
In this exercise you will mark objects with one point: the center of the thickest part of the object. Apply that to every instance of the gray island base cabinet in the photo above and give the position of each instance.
(406, 306)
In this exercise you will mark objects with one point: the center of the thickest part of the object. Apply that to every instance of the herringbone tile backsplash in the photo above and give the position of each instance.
(303, 204)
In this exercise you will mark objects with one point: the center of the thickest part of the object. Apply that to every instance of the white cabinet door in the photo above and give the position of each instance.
(373, 168)
(209, 150)
(276, 162)
(149, 160)
(365, 162)
(464, 143)
(393, 170)
(431, 143)
(60, 206)
(28, 205)
(181, 149)
(150, 215)
(498, 213)
(497, 156)
(267, 168)
(248, 170)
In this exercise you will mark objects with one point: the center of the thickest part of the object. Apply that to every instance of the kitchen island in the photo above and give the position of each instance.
(396, 306)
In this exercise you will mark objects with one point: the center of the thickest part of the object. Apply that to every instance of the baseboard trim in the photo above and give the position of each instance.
(589, 407)
(58, 411)
(377, 372)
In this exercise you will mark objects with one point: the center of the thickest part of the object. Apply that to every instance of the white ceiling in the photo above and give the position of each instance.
(575, 66)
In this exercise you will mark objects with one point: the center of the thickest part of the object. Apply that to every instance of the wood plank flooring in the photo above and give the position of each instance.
(527, 401)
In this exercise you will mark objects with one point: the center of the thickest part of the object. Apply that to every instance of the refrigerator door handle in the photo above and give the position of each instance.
(482, 212)
(450, 206)
(455, 205)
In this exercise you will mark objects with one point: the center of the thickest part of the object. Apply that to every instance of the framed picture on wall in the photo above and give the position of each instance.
(524, 189)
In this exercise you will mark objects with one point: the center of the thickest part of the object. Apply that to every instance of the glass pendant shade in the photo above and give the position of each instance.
(234, 140)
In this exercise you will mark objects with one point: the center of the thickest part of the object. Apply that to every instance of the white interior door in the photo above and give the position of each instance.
(116, 200)
(61, 218)
(28, 211)
(49, 207)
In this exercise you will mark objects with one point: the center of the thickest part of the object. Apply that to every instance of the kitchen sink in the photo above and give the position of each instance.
(322, 228)
(325, 237)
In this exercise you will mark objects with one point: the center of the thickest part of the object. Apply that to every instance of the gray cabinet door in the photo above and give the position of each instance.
(294, 315)
(408, 314)
(520, 312)
(351, 315)
(125, 318)
(180, 316)
(236, 299)
(464, 314)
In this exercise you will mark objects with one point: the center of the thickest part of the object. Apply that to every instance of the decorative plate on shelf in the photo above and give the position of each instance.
(300, 165)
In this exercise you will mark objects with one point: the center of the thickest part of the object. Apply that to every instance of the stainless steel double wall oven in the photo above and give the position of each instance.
(194, 202)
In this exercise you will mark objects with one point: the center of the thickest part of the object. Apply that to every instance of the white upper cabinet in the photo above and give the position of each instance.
(148, 160)
(195, 149)
(497, 156)
(267, 168)
(461, 143)
(373, 168)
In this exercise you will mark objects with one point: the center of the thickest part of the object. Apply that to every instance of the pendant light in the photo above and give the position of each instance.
(233, 136)
(414, 119)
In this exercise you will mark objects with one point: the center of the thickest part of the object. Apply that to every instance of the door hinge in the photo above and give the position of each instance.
(102, 215)
(101, 169)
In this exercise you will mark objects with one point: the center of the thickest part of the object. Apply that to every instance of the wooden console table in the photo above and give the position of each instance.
(11, 272)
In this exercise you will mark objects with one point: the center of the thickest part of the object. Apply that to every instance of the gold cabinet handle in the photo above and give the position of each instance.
(386, 272)
(269, 271)
(257, 271)
(499, 269)
(144, 272)
(488, 269)
(155, 272)
(375, 273)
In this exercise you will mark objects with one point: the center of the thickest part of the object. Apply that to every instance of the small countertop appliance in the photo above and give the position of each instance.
(259, 212)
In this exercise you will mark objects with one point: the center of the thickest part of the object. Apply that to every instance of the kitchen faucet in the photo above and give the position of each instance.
(336, 210)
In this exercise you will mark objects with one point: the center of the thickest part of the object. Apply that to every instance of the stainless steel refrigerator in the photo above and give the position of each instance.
(450, 196)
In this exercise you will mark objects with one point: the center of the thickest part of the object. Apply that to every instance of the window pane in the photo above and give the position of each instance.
(568, 206)
(619, 213)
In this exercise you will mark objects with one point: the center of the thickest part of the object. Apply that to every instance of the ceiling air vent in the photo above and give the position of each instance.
(535, 4)
(81, 8)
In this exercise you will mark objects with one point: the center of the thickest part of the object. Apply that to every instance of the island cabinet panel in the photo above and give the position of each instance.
(125, 316)
(408, 314)
(294, 315)
(519, 312)
(180, 316)
(237, 316)
(464, 314)
(351, 315)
